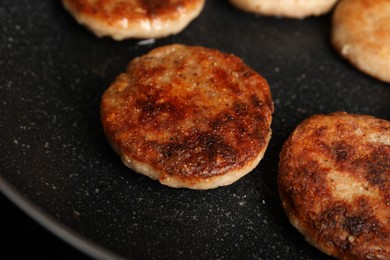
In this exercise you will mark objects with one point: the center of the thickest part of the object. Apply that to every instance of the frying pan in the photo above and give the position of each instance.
(57, 166)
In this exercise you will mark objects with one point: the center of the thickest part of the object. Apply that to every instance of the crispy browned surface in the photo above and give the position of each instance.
(334, 182)
(188, 114)
(111, 11)
(361, 34)
(134, 18)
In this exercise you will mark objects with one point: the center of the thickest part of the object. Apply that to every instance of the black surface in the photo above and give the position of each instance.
(23, 238)
(53, 151)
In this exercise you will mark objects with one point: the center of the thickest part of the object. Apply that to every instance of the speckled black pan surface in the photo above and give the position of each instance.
(56, 163)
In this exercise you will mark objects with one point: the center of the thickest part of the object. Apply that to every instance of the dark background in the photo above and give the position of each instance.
(53, 152)
(23, 238)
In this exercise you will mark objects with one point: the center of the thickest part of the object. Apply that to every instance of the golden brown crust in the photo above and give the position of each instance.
(189, 116)
(361, 34)
(122, 19)
(286, 8)
(334, 177)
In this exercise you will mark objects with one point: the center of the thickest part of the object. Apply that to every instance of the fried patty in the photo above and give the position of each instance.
(189, 116)
(286, 8)
(122, 19)
(334, 183)
(361, 35)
